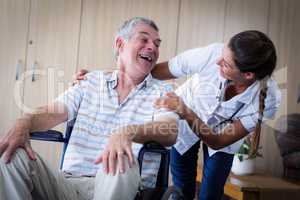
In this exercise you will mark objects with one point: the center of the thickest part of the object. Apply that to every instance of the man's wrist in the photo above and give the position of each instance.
(128, 132)
(23, 124)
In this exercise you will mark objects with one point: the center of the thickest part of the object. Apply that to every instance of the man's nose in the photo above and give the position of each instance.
(151, 46)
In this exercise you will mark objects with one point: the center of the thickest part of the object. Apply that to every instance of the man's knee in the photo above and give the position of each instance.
(19, 158)
(120, 186)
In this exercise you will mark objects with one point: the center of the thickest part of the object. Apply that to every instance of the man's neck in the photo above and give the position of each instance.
(126, 80)
(126, 83)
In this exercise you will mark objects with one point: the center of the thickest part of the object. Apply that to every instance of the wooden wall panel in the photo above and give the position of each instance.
(102, 18)
(283, 29)
(293, 58)
(244, 15)
(53, 48)
(278, 26)
(201, 22)
(14, 32)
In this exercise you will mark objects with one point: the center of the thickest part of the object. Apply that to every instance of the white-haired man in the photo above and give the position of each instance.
(114, 112)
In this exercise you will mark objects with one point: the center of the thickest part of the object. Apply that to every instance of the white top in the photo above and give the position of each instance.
(204, 92)
(94, 103)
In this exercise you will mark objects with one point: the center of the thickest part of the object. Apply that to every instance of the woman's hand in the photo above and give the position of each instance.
(79, 76)
(171, 102)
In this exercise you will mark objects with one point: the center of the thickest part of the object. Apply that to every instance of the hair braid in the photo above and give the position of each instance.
(256, 135)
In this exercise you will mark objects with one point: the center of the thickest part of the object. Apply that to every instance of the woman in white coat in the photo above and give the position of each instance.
(228, 97)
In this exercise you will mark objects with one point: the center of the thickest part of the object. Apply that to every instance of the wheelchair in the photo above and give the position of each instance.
(158, 189)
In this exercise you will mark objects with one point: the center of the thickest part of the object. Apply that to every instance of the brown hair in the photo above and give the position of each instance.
(256, 135)
(254, 52)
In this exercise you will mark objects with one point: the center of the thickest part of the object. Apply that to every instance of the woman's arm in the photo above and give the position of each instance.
(232, 133)
(161, 71)
(229, 135)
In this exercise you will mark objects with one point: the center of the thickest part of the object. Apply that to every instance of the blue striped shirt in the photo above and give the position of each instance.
(94, 103)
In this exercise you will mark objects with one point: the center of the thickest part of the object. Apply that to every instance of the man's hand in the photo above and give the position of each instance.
(79, 76)
(118, 146)
(17, 136)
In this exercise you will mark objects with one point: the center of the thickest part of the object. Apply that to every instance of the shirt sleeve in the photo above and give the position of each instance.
(194, 60)
(186, 138)
(72, 98)
(185, 93)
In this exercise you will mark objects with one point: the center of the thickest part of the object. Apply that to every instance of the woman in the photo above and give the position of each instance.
(228, 97)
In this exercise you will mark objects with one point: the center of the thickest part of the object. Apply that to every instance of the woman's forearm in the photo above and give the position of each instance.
(203, 131)
(161, 71)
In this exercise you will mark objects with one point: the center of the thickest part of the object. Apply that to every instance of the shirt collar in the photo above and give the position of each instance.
(249, 94)
(113, 80)
(245, 97)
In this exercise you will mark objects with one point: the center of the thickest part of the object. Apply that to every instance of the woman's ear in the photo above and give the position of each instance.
(248, 75)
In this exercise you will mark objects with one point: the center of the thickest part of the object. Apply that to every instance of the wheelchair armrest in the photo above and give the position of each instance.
(50, 135)
(155, 146)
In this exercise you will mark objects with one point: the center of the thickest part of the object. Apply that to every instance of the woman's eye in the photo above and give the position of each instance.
(225, 64)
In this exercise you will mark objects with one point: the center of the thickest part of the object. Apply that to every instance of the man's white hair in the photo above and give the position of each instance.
(125, 31)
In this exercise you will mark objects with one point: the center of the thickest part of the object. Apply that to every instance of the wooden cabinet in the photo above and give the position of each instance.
(13, 39)
(39, 45)
(52, 58)
(52, 49)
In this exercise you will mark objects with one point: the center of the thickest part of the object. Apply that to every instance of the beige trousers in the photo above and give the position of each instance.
(24, 179)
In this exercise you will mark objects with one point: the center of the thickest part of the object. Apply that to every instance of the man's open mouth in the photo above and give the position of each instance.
(146, 57)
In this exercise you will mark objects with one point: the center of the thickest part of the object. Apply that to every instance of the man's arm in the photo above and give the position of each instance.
(163, 132)
(119, 144)
(46, 117)
(42, 119)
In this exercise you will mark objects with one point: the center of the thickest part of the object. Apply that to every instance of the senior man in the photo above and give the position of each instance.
(114, 112)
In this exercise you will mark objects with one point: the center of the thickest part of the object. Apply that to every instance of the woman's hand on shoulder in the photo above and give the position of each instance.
(79, 76)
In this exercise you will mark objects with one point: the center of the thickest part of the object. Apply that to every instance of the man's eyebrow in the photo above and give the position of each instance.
(146, 33)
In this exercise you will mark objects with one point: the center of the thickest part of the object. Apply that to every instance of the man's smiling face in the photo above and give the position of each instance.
(140, 52)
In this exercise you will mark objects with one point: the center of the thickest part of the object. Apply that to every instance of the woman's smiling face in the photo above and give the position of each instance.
(228, 68)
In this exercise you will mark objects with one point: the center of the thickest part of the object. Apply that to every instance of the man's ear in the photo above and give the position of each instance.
(248, 75)
(119, 44)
